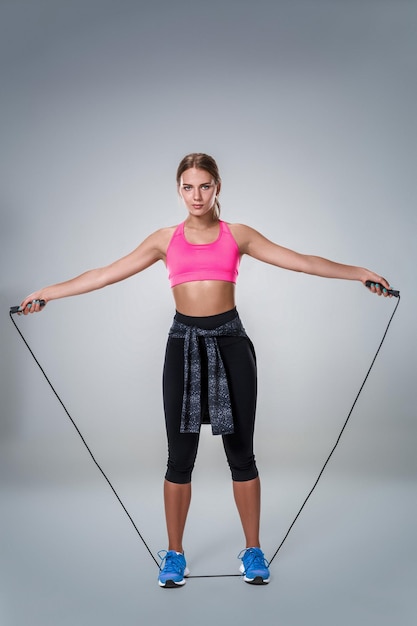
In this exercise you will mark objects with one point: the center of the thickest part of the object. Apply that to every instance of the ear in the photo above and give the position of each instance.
(219, 186)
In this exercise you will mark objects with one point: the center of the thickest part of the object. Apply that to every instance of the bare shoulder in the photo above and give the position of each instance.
(244, 236)
(160, 238)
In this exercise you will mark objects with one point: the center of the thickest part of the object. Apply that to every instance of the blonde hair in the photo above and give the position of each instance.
(202, 161)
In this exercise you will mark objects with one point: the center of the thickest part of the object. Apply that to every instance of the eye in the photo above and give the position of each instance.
(186, 187)
(205, 187)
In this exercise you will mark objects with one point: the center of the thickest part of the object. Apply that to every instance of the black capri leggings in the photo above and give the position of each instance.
(240, 364)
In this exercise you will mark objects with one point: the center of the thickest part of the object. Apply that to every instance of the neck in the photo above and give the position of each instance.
(203, 221)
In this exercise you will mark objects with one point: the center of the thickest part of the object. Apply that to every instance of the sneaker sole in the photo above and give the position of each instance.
(258, 580)
(171, 584)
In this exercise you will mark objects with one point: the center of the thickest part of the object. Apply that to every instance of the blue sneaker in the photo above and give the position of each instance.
(174, 570)
(254, 566)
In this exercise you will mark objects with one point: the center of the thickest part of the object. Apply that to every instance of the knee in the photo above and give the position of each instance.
(176, 473)
(244, 470)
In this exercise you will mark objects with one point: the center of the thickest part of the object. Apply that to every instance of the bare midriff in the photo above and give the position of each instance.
(204, 297)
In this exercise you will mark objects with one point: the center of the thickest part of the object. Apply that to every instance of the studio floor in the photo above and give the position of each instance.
(71, 557)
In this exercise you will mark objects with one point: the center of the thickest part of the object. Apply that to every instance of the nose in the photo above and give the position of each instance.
(197, 193)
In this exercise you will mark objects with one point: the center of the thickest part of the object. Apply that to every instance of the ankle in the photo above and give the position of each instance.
(175, 548)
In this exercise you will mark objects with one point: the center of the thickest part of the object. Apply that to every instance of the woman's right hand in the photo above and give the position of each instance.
(31, 304)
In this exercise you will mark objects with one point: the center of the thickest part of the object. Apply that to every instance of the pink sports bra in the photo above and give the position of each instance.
(218, 260)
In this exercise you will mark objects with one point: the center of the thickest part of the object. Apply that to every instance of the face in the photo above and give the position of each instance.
(198, 191)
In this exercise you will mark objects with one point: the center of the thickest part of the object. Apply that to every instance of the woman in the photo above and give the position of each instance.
(210, 367)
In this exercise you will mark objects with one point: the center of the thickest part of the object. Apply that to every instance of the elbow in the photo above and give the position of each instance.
(101, 278)
(306, 264)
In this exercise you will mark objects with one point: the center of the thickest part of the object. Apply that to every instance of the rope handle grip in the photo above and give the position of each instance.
(18, 309)
(392, 292)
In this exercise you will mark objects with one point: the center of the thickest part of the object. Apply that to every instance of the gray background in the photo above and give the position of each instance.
(309, 109)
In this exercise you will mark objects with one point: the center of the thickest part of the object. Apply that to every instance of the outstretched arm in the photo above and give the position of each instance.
(151, 250)
(254, 244)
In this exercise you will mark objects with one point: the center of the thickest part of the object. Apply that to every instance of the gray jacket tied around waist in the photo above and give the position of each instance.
(219, 405)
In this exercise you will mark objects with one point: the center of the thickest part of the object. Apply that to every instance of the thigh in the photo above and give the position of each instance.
(182, 447)
(240, 363)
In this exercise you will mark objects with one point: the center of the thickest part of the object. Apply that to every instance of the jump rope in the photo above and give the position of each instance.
(392, 292)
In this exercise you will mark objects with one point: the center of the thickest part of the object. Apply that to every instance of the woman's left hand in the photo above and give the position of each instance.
(379, 285)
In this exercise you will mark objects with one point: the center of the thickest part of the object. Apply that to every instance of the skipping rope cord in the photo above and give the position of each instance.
(125, 509)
